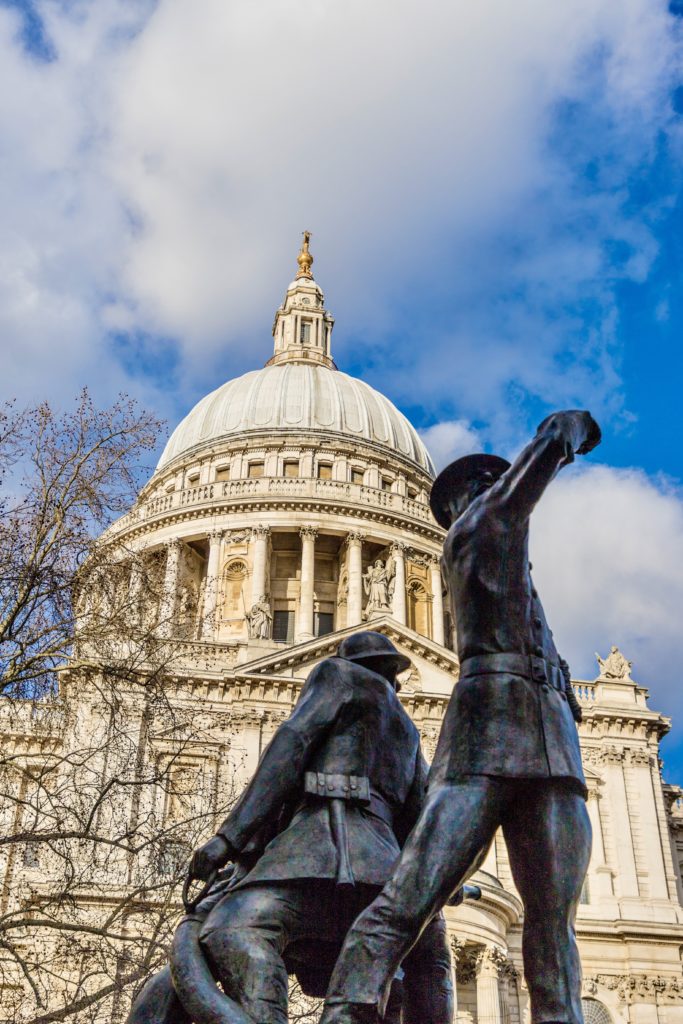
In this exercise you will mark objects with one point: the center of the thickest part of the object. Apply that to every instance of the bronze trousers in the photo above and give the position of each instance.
(548, 835)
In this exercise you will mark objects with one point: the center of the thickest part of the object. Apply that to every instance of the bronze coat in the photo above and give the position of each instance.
(348, 721)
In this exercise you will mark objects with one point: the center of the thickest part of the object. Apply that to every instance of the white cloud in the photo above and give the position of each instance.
(164, 165)
(607, 549)
(449, 440)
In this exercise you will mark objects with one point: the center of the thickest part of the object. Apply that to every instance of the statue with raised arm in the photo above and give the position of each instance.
(615, 665)
(508, 753)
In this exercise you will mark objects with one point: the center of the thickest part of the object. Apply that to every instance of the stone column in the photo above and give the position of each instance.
(437, 601)
(170, 590)
(457, 946)
(398, 553)
(488, 992)
(304, 625)
(259, 535)
(209, 611)
(354, 606)
(135, 587)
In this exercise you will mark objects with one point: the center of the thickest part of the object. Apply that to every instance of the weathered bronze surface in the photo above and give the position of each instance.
(322, 822)
(508, 754)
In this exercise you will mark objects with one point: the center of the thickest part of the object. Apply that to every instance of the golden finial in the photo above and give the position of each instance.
(304, 259)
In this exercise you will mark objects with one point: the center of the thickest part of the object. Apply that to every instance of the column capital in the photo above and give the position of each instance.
(491, 960)
(456, 946)
(399, 548)
(308, 531)
(216, 535)
(260, 531)
(434, 561)
(355, 537)
(173, 543)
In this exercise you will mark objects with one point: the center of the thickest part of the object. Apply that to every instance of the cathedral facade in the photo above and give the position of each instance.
(290, 508)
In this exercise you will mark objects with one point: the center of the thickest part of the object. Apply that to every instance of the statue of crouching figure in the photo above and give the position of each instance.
(336, 792)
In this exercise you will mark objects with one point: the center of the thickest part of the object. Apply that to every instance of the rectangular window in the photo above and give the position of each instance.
(283, 626)
(291, 468)
(386, 483)
(255, 469)
(305, 332)
(223, 473)
(412, 492)
(31, 856)
(585, 896)
(323, 623)
(173, 858)
(357, 476)
(324, 471)
(193, 478)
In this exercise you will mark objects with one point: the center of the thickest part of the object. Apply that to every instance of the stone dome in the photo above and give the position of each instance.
(297, 397)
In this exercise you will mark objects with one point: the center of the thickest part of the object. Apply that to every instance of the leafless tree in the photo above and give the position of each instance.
(105, 780)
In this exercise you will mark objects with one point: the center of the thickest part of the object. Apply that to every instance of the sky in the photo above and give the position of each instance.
(495, 196)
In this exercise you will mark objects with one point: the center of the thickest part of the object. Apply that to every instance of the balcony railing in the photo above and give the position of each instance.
(296, 488)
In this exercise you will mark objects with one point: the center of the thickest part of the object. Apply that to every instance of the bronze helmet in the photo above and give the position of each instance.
(367, 644)
(451, 481)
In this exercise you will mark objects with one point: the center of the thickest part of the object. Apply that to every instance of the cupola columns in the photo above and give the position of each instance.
(211, 586)
(306, 595)
(354, 601)
(303, 327)
(437, 601)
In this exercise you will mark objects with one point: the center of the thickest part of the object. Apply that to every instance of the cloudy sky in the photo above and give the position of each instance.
(494, 191)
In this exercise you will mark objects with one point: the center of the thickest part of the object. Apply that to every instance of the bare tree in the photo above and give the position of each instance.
(108, 775)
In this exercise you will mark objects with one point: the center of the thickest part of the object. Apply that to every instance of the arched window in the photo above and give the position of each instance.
(419, 608)
(232, 589)
(595, 1012)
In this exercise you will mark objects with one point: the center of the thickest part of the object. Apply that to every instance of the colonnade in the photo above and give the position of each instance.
(260, 541)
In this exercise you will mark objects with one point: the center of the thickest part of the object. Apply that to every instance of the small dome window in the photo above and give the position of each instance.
(324, 471)
(305, 332)
(255, 470)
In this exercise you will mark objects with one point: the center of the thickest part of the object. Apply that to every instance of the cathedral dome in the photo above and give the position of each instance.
(296, 396)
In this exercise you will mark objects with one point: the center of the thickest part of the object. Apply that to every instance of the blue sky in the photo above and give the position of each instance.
(494, 192)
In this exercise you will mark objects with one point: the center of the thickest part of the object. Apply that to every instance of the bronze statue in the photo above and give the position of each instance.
(508, 753)
(336, 792)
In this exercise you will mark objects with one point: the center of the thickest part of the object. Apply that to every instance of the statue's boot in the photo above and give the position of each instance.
(194, 983)
(350, 1013)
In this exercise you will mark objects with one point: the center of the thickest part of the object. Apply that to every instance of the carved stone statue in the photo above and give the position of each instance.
(615, 665)
(260, 619)
(187, 604)
(508, 753)
(334, 796)
(378, 583)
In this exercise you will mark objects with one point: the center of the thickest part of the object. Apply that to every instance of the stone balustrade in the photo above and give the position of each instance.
(286, 487)
(585, 692)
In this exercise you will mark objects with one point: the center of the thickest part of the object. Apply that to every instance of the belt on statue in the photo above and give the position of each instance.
(339, 791)
(528, 665)
(354, 789)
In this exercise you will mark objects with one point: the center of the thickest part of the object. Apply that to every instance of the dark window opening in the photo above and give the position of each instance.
(323, 623)
(173, 858)
(283, 626)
